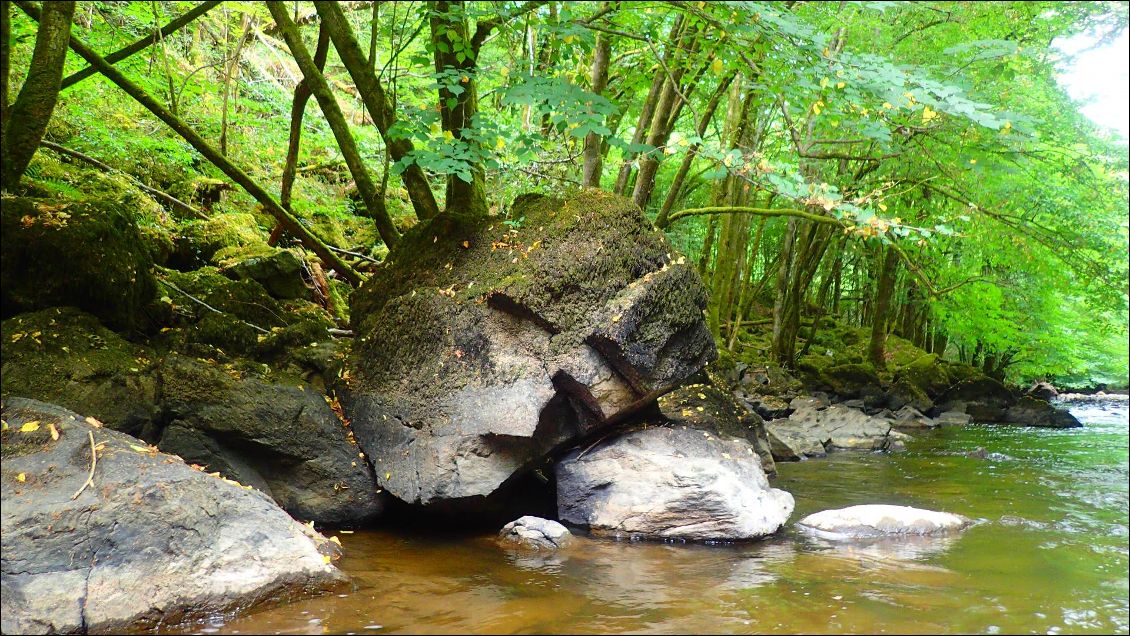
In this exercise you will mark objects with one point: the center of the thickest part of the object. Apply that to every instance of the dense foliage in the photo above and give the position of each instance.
(911, 168)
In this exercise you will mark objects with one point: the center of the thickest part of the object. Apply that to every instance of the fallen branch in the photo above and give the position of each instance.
(93, 464)
(354, 254)
(154, 192)
(801, 214)
(207, 306)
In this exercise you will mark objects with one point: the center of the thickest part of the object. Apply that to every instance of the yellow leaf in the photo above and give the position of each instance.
(54, 432)
(21, 478)
(616, 318)
(887, 106)
(883, 207)
(326, 559)
(447, 135)
(973, 161)
(388, 475)
(505, 70)
(93, 422)
(28, 427)
(824, 82)
(841, 84)
(816, 108)
(499, 143)
(336, 540)
(717, 65)
(928, 114)
(569, 39)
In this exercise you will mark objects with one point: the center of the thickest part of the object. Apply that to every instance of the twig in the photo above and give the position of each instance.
(93, 464)
(207, 306)
(341, 333)
(154, 192)
(355, 254)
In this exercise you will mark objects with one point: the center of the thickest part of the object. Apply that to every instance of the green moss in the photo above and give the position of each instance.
(202, 239)
(87, 254)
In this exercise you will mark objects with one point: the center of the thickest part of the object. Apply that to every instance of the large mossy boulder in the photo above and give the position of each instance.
(283, 439)
(66, 357)
(146, 542)
(200, 240)
(482, 347)
(670, 483)
(85, 254)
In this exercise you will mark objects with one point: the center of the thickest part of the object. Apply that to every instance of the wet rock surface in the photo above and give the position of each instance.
(148, 541)
(670, 483)
(481, 348)
(535, 533)
(881, 520)
(813, 429)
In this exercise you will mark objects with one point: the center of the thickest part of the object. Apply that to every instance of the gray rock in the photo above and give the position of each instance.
(670, 483)
(283, 439)
(880, 520)
(1031, 411)
(535, 533)
(910, 417)
(769, 407)
(1043, 391)
(953, 418)
(150, 541)
(985, 399)
(480, 348)
(834, 428)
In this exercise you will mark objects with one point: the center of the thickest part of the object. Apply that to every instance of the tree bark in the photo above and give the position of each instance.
(291, 224)
(374, 202)
(5, 58)
(647, 110)
(229, 75)
(594, 159)
(877, 348)
(27, 119)
(377, 101)
(685, 166)
(457, 112)
(302, 95)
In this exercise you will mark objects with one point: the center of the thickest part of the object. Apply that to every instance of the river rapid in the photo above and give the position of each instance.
(1049, 554)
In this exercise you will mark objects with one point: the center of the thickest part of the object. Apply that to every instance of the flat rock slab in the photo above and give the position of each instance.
(881, 520)
(150, 541)
(670, 483)
(812, 430)
(535, 533)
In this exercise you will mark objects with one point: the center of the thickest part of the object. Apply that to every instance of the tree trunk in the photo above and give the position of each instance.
(594, 160)
(5, 57)
(381, 109)
(229, 74)
(291, 224)
(374, 202)
(685, 166)
(454, 52)
(302, 95)
(26, 121)
(877, 349)
(646, 113)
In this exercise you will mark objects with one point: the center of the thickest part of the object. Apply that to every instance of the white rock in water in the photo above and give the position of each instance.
(536, 533)
(881, 520)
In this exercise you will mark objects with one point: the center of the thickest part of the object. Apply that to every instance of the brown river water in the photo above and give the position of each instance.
(1048, 555)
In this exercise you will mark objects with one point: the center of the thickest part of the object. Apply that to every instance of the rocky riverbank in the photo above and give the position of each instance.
(489, 371)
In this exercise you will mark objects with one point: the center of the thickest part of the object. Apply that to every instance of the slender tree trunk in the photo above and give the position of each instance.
(877, 349)
(302, 95)
(381, 109)
(5, 57)
(230, 73)
(685, 166)
(374, 201)
(26, 120)
(646, 113)
(291, 224)
(454, 52)
(594, 159)
(707, 249)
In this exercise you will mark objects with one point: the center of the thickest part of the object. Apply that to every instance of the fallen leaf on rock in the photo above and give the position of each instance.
(54, 432)
(22, 477)
(28, 427)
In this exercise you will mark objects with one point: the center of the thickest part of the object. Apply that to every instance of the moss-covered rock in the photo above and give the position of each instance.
(851, 380)
(278, 271)
(200, 240)
(480, 347)
(708, 408)
(928, 374)
(85, 254)
(66, 357)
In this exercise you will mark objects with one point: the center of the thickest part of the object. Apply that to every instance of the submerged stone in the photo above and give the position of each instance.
(880, 520)
(535, 533)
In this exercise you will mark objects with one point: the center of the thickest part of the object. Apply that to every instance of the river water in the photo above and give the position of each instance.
(1049, 554)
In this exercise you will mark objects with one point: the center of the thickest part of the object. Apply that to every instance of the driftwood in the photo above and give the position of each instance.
(154, 192)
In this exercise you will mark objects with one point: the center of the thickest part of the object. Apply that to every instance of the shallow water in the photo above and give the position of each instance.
(1049, 554)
